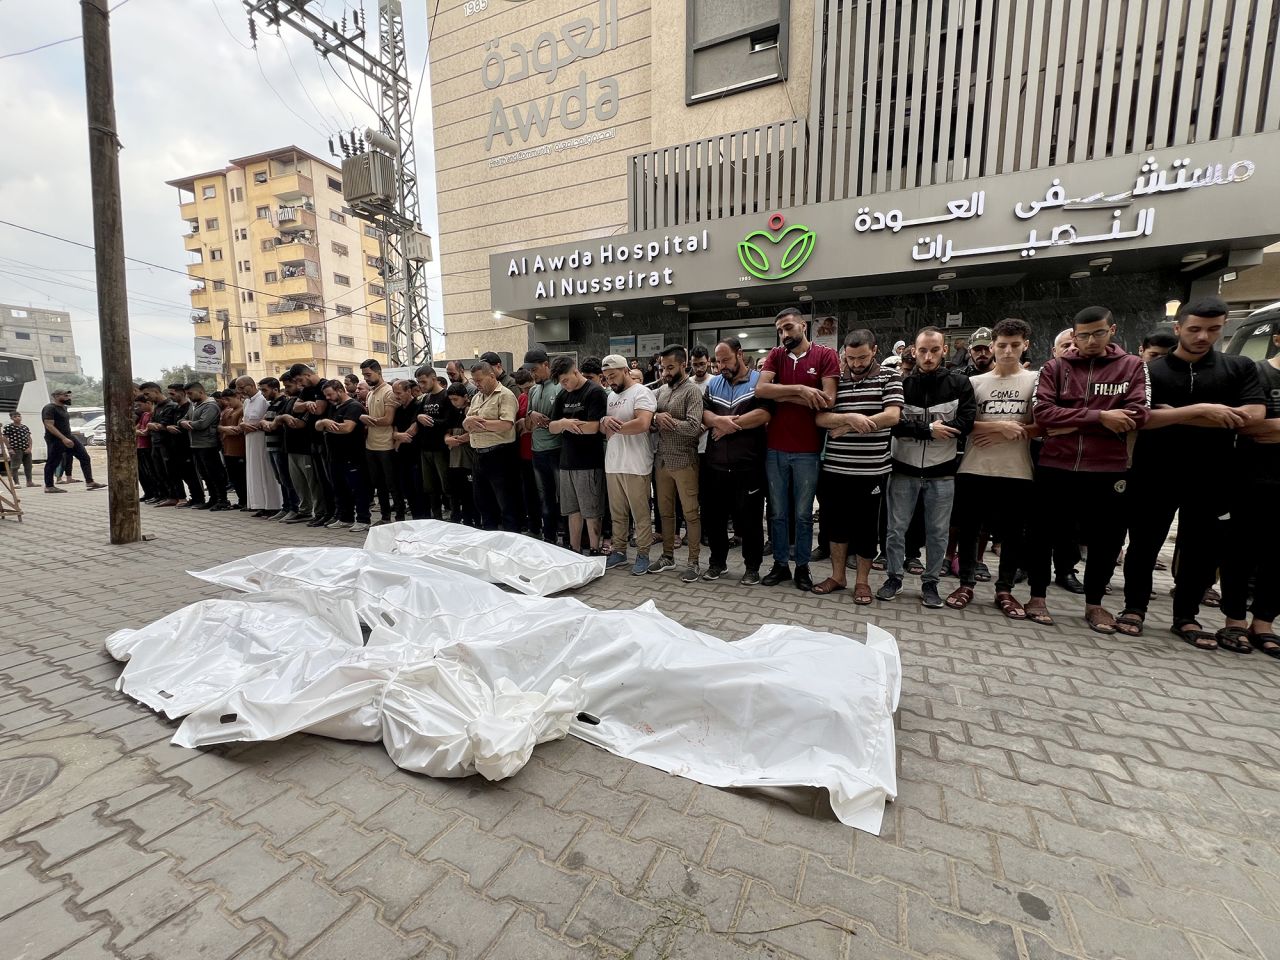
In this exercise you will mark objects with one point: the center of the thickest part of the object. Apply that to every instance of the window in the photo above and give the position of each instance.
(346, 341)
(335, 184)
(343, 371)
(241, 233)
(59, 359)
(245, 266)
(337, 216)
(270, 244)
(269, 277)
(263, 213)
(246, 296)
(275, 340)
(237, 194)
(208, 192)
(730, 47)
(211, 223)
(255, 357)
(377, 290)
(375, 262)
(260, 177)
(377, 318)
(342, 280)
(223, 315)
(343, 311)
(20, 314)
(374, 232)
(251, 326)
(339, 248)
(219, 286)
(21, 335)
(215, 253)
(54, 338)
(380, 346)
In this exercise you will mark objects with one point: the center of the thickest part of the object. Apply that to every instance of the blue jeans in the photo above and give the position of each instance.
(793, 483)
(904, 491)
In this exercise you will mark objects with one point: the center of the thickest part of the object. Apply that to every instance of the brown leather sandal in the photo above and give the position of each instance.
(1009, 606)
(960, 598)
(862, 594)
(828, 586)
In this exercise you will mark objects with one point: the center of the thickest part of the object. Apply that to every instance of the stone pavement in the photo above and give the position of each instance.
(1063, 794)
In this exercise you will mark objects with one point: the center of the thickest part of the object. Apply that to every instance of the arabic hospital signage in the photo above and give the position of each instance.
(551, 54)
(1207, 193)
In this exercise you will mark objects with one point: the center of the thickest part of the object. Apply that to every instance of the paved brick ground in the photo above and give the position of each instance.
(1062, 795)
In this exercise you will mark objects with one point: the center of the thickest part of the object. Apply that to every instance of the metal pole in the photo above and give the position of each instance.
(113, 307)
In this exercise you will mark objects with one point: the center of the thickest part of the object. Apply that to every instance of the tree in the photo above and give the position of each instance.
(85, 391)
(186, 374)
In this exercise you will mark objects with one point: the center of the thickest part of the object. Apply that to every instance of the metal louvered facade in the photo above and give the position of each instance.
(911, 93)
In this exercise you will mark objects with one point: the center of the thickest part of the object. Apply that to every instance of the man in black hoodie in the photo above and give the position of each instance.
(939, 409)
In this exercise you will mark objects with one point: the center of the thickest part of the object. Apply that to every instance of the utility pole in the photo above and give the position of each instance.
(108, 244)
(404, 273)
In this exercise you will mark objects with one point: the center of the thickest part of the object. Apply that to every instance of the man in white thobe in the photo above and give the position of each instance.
(260, 481)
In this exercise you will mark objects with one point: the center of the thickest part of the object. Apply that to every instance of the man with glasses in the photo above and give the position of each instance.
(1087, 401)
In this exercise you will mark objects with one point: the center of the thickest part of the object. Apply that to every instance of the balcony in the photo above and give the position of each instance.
(292, 186)
(198, 292)
(193, 242)
(295, 217)
(200, 316)
(299, 248)
(301, 278)
(188, 211)
(296, 305)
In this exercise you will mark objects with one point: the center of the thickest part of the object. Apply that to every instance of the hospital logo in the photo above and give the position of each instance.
(776, 253)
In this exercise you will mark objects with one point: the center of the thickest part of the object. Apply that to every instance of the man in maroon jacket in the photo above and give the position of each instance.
(1087, 401)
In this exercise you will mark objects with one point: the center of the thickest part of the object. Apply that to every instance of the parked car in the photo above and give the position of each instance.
(1252, 336)
(85, 430)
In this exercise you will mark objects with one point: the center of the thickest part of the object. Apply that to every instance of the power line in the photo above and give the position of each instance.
(182, 273)
(54, 43)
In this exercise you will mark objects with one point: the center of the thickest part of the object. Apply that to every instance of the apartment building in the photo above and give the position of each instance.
(618, 173)
(40, 332)
(280, 274)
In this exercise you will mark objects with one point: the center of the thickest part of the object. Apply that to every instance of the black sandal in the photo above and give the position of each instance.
(1194, 637)
(1235, 639)
(1268, 643)
(1129, 623)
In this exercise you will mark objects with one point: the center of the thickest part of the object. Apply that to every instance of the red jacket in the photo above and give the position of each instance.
(1073, 391)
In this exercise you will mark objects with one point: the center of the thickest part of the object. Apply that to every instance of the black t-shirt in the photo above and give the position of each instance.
(347, 447)
(405, 415)
(581, 451)
(296, 440)
(61, 419)
(1228, 379)
(439, 409)
(1261, 461)
(308, 395)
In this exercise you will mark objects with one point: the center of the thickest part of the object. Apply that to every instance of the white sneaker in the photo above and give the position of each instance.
(336, 525)
(359, 528)
(279, 515)
(289, 517)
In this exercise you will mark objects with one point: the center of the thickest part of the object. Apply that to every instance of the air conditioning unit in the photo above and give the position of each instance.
(369, 178)
(417, 246)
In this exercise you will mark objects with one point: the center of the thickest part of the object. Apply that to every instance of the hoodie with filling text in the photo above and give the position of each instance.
(1073, 393)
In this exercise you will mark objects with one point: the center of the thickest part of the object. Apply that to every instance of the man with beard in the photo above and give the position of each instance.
(434, 416)
(938, 410)
(311, 407)
(490, 426)
(735, 419)
(628, 462)
(1087, 401)
(678, 423)
(379, 425)
(800, 378)
(504, 378)
(1255, 524)
(344, 432)
(579, 408)
(856, 464)
(981, 358)
(546, 445)
(206, 447)
(273, 433)
(1199, 400)
(260, 481)
(297, 446)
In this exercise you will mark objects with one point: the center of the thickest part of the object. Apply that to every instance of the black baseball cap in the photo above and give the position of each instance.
(491, 358)
(535, 357)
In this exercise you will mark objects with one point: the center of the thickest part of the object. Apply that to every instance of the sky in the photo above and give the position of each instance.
(191, 94)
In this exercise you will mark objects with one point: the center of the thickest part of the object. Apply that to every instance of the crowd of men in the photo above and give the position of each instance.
(915, 454)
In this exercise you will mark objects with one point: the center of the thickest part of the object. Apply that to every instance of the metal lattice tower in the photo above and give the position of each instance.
(408, 317)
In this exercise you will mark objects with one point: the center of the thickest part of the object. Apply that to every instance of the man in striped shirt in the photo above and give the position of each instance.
(856, 463)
